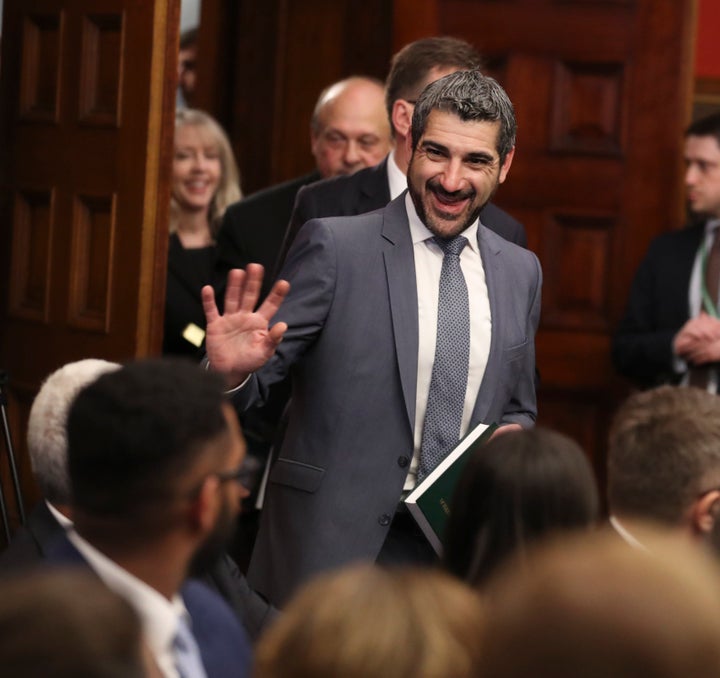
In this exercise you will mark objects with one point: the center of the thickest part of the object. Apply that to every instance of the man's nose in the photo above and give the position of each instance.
(691, 175)
(352, 153)
(452, 178)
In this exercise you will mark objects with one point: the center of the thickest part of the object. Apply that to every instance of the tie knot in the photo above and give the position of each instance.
(452, 245)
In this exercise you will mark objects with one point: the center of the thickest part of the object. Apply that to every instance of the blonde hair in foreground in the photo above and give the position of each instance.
(597, 607)
(367, 621)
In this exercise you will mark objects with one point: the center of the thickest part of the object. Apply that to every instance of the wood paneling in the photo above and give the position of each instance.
(86, 125)
(277, 57)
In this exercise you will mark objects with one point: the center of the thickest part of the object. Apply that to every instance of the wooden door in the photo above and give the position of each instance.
(601, 90)
(86, 121)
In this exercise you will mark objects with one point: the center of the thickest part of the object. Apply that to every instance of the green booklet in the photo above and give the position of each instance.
(429, 502)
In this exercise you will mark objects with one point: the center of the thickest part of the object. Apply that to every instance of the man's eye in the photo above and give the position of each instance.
(368, 143)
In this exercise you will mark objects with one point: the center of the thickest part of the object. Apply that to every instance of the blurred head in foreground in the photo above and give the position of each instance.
(367, 621)
(64, 625)
(595, 607)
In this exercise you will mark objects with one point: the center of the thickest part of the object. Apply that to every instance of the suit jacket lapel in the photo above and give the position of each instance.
(494, 281)
(400, 272)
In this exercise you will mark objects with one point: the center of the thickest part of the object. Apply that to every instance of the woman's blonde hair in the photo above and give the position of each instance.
(367, 621)
(228, 190)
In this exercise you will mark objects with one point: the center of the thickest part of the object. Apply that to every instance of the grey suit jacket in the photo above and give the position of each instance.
(352, 347)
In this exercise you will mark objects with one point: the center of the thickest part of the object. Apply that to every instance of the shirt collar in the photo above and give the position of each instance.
(397, 181)
(420, 233)
(625, 534)
(64, 521)
(158, 615)
(711, 225)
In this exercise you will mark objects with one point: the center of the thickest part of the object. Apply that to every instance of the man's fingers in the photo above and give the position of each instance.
(253, 282)
(234, 290)
(276, 332)
(208, 301)
(274, 299)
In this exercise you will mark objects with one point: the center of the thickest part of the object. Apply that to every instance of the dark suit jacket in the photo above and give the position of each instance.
(368, 190)
(31, 543)
(252, 229)
(352, 345)
(657, 308)
(223, 644)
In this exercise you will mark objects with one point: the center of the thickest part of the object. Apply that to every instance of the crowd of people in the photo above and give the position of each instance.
(353, 326)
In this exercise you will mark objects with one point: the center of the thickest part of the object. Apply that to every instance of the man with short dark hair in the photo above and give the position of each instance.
(412, 69)
(155, 456)
(664, 461)
(47, 448)
(670, 332)
(403, 328)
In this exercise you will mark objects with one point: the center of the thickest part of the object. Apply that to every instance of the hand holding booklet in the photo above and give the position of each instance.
(429, 502)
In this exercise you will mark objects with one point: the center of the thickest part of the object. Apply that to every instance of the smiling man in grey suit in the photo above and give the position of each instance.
(363, 329)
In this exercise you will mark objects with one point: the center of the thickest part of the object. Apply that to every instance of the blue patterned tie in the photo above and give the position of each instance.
(448, 383)
(187, 653)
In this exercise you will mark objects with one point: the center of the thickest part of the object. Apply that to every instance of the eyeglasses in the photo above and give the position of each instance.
(242, 474)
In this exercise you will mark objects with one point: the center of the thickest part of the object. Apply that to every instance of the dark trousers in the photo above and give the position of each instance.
(405, 543)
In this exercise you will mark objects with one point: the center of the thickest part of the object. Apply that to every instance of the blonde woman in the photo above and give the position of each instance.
(205, 181)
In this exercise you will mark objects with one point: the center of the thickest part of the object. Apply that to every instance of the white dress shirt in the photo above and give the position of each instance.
(428, 264)
(397, 181)
(158, 615)
(695, 300)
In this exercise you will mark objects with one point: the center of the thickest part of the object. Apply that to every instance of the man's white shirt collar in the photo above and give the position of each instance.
(64, 521)
(397, 181)
(625, 534)
(158, 615)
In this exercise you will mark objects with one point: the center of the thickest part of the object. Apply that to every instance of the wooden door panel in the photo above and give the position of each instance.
(86, 123)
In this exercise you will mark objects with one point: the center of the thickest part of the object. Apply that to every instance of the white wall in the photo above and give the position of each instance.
(189, 15)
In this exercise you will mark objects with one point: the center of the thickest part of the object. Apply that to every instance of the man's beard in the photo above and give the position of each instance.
(433, 186)
(210, 551)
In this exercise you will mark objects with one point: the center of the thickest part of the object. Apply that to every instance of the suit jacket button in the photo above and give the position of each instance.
(384, 519)
(403, 462)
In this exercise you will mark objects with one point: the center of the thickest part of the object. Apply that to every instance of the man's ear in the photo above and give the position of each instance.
(705, 512)
(205, 507)
(506, 165)
(402, 112)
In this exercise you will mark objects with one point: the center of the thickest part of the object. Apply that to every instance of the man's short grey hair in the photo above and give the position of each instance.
(471, 96)
(47, 435)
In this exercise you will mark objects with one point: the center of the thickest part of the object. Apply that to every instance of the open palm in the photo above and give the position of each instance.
(241, 340)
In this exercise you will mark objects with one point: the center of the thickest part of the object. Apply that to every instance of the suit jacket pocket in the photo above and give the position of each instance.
(296, 474)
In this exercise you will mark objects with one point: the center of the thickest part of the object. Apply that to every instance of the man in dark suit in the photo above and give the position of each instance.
(670, 332)
(364, 330)
(155, 456)
(413, 67)
(348, 131)
(47, 447)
